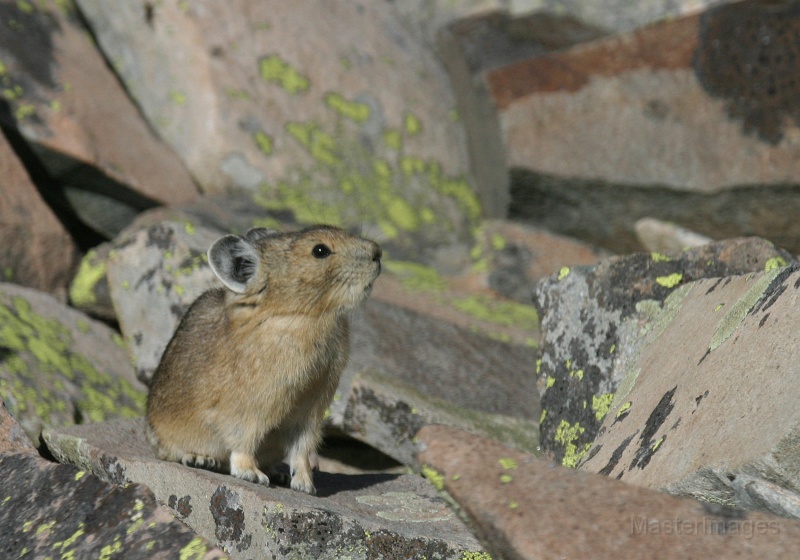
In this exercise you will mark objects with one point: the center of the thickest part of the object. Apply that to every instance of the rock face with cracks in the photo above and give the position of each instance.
(714, 371)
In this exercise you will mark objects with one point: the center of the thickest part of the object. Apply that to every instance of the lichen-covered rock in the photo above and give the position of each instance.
(592, 320)
(356, 516)
(64, 101)
(690, 120)
(12, 437)
(154, 275)
(524, 507)
(58, 366)
(338, 115)
(710, 396)
(59, 511)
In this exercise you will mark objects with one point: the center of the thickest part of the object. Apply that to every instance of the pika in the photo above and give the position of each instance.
(252, 367)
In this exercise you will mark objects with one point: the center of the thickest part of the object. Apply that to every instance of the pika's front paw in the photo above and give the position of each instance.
(200, 461)
(302, 483)
(245, 467)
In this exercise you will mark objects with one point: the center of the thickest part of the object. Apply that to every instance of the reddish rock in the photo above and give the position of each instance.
(67, 103)
(524, 507)
(36, 250)
(654, 122)
(12, 436)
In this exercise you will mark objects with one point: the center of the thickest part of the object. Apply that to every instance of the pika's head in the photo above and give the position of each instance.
(313, 271)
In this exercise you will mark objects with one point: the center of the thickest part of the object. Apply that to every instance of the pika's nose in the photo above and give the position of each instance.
(376, 252)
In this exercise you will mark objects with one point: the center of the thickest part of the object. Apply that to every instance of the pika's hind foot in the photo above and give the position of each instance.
(244, 466)
(201, 461)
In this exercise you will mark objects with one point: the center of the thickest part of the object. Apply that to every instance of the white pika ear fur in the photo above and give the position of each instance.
(234, 260)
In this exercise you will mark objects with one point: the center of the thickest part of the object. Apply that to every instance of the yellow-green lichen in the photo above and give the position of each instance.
(274, 69)
(434, 476)
(543, 415)
(90, 272)
(624, 408)
(774, 262)
(412, 124)
(670, 281)
(41, 362)
(469, 555)
(740, 308)
(507, 313)
(23, 111)
(178, 98)
(508, 463)
(658, 257)
(196, 548)
(567, 434)
(550, 381)
(417, 277)
(578, 373)
(563, 272)
(657, 444)
(506, 478)
(393, 139)
(264, 142)
(513, 505)
(353, 110)
(320, 144)
(601, 405)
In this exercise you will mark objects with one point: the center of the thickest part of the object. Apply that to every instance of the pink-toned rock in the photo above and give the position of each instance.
(524, 507)
(66, 102)
(36, 250)
(12, 437)
(654, 122)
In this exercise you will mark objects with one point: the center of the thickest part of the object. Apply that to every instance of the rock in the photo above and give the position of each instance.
(664, 237)
(592, 322)
(360, 516)
(355, 124)
(89, 135)
(524, 507)
(58, 366)
(513, 257)
(12, 437)
(37, 251)
(688, 120)
(59, 510)
(709, 394)
(472, 47)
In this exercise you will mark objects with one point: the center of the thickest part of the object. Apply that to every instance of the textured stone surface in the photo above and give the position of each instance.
(710, 394)
(592, 323)
(653, 124)
(524, 507)
(36, 251)
(338, 114)
(66, 102)
(12, 437)
(360, 516)
(60, 511)
(58, 366)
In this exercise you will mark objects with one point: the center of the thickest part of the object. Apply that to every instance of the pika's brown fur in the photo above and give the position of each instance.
(251, 369)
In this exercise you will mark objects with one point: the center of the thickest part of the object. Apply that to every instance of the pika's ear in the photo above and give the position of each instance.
(258, 233)
(234, 260)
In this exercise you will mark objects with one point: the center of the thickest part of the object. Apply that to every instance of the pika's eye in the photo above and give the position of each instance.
(321, 251)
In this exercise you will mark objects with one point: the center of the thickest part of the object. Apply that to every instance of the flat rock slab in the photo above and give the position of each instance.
(524, 507)
(711, 396)
(60, 511)
(359, 516)
(592, 319)
(58, 366)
